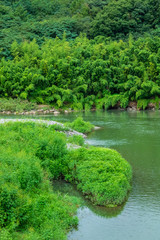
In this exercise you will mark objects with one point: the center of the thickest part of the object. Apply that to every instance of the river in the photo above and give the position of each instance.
(136, 135)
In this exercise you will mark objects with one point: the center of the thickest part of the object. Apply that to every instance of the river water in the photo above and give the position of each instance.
(136, 135)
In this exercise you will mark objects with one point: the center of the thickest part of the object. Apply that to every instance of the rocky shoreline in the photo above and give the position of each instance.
(33, 112)
(132, 106)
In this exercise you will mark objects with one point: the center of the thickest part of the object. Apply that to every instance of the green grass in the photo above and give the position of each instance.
(16, 105)
(31, 155)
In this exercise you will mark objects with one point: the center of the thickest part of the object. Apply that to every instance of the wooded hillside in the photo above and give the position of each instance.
(39, 19)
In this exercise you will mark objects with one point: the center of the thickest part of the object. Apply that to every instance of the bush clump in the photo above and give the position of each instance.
(101, 174)
(76, 139)
(80, 125)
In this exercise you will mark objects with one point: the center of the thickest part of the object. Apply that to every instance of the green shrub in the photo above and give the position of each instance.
(101, 174)
(77, 106)
(124, 101)
(10, 201)
(142, 103)
(76, 139)
(80, 125)
(5, 234)
(51, 148)
(30, 174)
(59, 127)
(51, 152)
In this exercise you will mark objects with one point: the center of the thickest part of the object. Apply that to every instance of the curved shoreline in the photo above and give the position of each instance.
(69, 132)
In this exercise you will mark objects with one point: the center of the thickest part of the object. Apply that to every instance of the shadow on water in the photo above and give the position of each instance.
(69, 189)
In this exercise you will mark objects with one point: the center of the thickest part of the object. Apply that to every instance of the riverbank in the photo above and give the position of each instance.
(31, 155)
(24, 107)
(56, 125)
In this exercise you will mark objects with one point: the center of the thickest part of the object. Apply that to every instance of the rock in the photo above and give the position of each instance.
(131, 108)
(151, 106)
(96, 128)
(73, 132)
(52, 110)
(132, 104)
(8, 112)
(56, 112)
(72, 146)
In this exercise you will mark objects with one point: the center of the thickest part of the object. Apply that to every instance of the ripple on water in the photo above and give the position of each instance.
(106, 143)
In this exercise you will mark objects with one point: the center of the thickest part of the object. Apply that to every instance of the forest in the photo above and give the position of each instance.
(80, 54)
(83, 74)
(41, 19)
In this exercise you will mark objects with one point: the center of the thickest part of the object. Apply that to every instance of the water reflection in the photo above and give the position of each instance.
(69, 189)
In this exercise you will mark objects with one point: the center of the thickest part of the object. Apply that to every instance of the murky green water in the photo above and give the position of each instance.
(136, 135)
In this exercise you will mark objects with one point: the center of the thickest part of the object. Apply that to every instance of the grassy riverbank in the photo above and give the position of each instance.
(24, 107)
(31, 156)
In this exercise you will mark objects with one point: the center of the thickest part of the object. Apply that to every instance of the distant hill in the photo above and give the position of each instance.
(39, 19)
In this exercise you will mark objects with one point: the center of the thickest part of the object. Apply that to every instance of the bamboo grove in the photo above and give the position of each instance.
(83, 73)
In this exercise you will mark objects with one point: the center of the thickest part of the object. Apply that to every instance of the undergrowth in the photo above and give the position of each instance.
(31, 155)
(16, 105)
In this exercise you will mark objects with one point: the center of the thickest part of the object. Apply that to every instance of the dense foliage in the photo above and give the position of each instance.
(29, 209)
(30, 156)
(101, 174)
(83, 73)
(80, 125)
(74, 71)
(40, 19)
